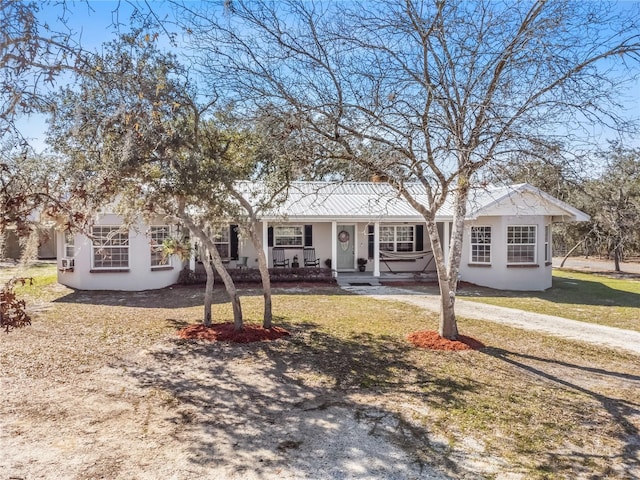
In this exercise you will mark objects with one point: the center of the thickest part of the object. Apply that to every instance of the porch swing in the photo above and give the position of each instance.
(412, 256)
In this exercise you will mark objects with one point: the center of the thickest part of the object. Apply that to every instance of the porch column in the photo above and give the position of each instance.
(334, 248)
(265, 240)
(376, 249)
(446, 242)
(192, 261)
(192, 255)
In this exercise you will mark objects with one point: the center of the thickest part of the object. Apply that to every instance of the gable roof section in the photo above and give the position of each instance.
(369, 201)
(522, 199)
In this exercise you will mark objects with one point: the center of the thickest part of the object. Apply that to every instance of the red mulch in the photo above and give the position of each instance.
(224, 332)
(433, 341)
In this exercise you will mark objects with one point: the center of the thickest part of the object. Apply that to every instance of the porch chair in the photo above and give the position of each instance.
(310, 259)
(279, 259)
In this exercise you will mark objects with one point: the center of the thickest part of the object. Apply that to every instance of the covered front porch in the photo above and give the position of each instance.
(388, 248)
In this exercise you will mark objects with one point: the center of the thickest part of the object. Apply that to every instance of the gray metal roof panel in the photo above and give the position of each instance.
(370, 201)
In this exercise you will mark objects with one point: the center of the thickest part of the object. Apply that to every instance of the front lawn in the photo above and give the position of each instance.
(526, 406)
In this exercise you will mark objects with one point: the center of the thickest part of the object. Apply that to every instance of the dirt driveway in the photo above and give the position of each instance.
(229, 415)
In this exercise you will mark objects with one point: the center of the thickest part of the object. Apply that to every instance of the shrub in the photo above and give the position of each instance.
(13, 312)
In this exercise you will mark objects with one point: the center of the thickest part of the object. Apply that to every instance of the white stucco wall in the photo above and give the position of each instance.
(499, 274)
(138, 276)
(141, 276)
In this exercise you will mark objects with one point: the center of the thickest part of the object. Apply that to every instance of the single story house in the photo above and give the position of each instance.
(507, 238)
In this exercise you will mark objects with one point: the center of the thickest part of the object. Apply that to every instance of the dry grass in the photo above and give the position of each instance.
(527, 404)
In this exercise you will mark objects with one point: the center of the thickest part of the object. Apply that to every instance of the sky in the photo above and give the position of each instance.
(93, 21)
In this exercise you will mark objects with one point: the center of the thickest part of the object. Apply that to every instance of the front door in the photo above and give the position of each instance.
(346, 247)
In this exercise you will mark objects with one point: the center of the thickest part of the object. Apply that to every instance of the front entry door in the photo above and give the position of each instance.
(346, 247)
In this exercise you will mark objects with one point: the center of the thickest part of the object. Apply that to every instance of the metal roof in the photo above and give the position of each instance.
(370, 201)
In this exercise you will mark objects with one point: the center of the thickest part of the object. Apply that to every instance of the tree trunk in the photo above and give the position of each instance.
(571, 251)
(448, 327)
(228, 283)
(461, 197)
(199, 233)
(208, 291)
(263, 266)
(616, 256)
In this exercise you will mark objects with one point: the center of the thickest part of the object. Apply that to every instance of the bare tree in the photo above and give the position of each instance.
(439, 89)
(613, 200)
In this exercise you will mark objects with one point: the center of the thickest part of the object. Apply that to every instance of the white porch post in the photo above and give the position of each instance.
(446, 242)
(192, 261)
(334, 248)
(265, 240)
(376, 249)
(192, 255)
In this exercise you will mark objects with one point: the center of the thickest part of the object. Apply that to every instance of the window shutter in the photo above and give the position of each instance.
(419, 238)
(308, 235)
(270, 236)
(233, 242)
(370, 239)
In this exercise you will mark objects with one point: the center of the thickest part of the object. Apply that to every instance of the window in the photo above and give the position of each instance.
(69, 245)
(221, 240)
(521, 244)
(547, 243)
(288, 235)
(397, 238)
(110, 247)
(157, 236)
(480, 244)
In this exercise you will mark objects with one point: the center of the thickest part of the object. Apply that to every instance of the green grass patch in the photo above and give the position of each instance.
(578, 296)
(40, 275)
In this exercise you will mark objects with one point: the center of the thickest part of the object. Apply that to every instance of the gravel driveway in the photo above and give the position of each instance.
(596, 265)
(616, 338)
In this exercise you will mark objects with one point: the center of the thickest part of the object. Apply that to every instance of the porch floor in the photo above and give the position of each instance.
(367, 279)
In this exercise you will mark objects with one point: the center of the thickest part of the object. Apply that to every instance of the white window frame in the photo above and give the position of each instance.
(69, 245)
(547, 243)
(394, 241)
(100, 243)
(155, 245)
(222, 241)
(479, 244)
(511, 244)
(288, 236)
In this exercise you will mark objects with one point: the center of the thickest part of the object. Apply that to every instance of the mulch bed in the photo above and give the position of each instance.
(433, 341)
(224, 332)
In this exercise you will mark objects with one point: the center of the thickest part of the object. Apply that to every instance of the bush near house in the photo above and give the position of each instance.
(13, 309)
(252, 275)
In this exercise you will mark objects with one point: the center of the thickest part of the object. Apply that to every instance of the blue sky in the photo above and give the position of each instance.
(93, 22)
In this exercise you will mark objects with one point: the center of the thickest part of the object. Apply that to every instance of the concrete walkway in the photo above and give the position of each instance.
(616, 338)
